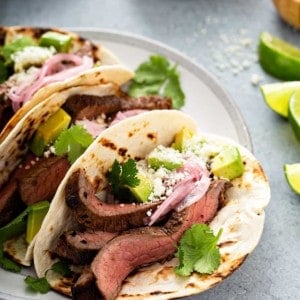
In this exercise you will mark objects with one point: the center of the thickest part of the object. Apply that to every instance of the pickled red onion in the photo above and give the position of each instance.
(92, 127)
(186, 192)
(47, 75)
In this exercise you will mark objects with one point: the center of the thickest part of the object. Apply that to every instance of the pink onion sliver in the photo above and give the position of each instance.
(199, 190)
(181, 190)
(43, 77)
(92, 127)
(126, 114)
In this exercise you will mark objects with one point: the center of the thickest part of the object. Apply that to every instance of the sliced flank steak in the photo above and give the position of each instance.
(119, 257)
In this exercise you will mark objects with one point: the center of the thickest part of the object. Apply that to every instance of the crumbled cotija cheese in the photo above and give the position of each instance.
(31, 56)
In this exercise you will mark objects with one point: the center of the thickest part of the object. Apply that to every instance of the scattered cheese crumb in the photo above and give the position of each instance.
(255, 79)
(31, 56)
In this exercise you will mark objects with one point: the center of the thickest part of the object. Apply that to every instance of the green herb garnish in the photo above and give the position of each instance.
(198, 251)
(15, 46)
(73, 142)
(3, 72)
(40, 285)
(8, 264)
(123, 175)
(157, 77)
(62, 268)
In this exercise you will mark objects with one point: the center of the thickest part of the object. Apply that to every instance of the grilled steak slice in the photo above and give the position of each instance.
(149, 102)
(81, 247)
(151, 244)
(90, 106)
(85, 287)
(93, 213)
(42, 179)
(10, 202)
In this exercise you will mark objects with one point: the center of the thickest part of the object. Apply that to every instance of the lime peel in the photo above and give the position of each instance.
(292, 174)
(277, 95)
(279, 58)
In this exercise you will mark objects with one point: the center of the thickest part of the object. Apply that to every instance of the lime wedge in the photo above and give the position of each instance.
(294, 113)
(277, 95)
(292, 174)
(278, 57)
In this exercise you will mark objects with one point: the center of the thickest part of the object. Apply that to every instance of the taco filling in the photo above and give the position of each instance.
(57, 143)
(32, 58)
(142, 214)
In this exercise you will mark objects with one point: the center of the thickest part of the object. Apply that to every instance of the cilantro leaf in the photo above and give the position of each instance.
(198, 251)
(140, 89)
(38, 284)
(17, 45)
(3, 72)
(8, 264)
(73, 142)
(174, 91)
(152, 71)
(123, 175)
(61, 267)
(157, 77)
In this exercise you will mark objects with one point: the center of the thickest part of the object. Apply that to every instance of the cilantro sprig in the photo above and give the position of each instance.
(73, 142)
(158, 77)
(123, 175)
(198, 251)
(41, 285)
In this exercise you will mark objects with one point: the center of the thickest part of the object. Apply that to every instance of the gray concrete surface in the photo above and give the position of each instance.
(203, 30)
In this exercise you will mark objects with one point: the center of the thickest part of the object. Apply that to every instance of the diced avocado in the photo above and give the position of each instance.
(49, 131)
(168, 158)
(35, 218)
(61, 42)
(228, 163)
(181, 139)
(142, 191)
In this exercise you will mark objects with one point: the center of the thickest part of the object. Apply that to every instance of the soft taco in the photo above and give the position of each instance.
(40, 149)
(36, 62)
(121, 211)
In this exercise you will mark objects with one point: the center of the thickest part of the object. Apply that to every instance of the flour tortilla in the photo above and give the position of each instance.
(242, 218)
(101, 81)
(100, 54)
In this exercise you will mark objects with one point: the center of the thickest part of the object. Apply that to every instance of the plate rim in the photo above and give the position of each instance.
(210, 80)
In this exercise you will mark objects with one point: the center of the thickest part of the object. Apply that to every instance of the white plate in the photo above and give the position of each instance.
(206, 101)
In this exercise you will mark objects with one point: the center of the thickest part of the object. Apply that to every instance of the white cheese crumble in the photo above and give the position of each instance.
(31, 56)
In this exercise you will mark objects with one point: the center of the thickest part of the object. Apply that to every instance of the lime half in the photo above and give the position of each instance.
(292, 173)
(278, 57)
(277, 95)
(294, 113)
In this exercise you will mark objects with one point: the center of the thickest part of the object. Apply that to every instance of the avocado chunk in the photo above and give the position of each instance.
(142, 191)
(181, 139)
(61, 42)
(35, 218)
(228, 163)
(49, 131)
(168, 158)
